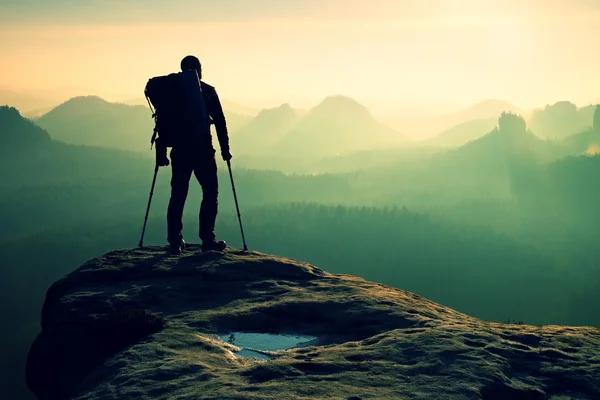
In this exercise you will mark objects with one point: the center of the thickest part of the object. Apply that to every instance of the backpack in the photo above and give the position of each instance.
(179, 113)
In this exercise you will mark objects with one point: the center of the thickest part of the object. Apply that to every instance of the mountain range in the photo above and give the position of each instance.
(91, 120)
(557, 121)
(336, 126)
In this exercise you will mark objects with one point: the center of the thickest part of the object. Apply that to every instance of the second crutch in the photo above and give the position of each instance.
(237, 207)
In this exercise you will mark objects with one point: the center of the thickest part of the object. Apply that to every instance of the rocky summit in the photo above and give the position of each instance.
(144, 324)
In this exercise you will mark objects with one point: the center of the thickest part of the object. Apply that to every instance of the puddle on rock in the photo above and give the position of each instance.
(253, 343)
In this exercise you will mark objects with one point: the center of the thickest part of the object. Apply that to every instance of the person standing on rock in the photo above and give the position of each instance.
(198, 158)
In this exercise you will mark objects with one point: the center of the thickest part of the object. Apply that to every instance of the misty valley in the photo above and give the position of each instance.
(495, 216)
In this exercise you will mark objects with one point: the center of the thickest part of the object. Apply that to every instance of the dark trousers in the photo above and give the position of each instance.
(204, 167)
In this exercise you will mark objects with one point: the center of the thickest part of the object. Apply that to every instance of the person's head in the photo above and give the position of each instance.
(192, 62)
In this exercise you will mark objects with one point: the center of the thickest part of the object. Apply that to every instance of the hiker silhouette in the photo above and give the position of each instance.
(197, 156)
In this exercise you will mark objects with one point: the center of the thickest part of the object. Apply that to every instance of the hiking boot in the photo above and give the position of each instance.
(177, 248)
(217, 245)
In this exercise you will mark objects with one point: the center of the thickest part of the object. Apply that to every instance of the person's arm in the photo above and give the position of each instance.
(215, 110)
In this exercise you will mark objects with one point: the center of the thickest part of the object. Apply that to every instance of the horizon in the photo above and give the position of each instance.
(262, 53)
(132, 100)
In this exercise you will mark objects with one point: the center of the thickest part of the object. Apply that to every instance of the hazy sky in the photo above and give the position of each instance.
(384, 53)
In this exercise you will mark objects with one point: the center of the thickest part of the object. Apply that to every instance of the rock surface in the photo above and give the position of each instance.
(142, 324)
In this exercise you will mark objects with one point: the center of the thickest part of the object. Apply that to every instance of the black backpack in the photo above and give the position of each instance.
(179, 108)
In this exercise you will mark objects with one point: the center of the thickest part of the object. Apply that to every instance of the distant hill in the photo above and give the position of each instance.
(236, 122)
(561, 119)
(586, 142)
(482, 158)
(18, 133)
(23, 102)
(38, 112)
(502, 142)
(236, 108)
(338, 125)
(507, 159)
(426, 127)
(491, 108)
(462, 133)
(265, 130)
(34, 103)
(587, 113)
(90, 120)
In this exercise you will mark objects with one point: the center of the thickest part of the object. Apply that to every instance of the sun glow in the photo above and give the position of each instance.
(452, 52)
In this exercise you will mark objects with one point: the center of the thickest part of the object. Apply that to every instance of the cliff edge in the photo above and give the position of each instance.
(142, 324)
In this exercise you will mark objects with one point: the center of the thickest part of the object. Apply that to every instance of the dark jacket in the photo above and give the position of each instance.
(215, 113)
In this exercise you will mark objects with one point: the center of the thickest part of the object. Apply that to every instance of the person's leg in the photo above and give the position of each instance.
(181, 168)
(206, 173)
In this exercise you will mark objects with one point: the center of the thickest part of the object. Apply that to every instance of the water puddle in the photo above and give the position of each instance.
(252, 344)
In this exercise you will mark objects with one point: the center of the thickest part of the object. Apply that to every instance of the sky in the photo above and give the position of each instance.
(390, 55)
